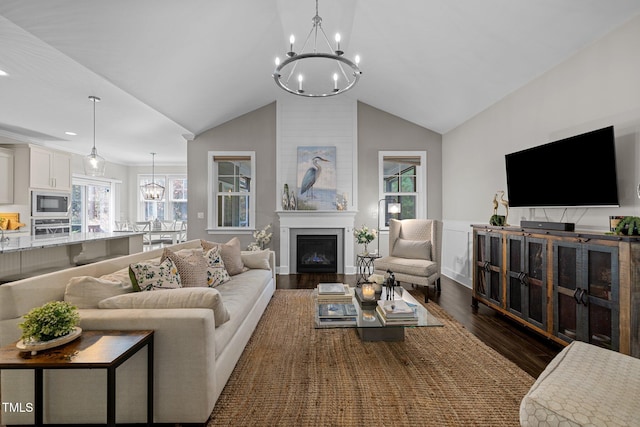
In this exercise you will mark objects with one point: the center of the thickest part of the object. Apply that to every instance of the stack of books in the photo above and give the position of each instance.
(396, 312)
(337, 293)
(331, 314)
(335, 305)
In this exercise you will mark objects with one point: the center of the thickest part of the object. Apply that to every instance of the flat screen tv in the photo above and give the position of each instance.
(579, 171)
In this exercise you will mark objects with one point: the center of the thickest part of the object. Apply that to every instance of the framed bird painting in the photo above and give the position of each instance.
(316, 178)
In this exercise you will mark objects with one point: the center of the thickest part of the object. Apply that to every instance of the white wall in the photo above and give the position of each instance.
(597, 87)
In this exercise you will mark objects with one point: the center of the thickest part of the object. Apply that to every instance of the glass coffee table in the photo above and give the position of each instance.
(367, 319)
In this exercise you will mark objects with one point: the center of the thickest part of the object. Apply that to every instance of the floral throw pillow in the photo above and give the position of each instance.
(217, 274)
(150, 276)
(230, 253)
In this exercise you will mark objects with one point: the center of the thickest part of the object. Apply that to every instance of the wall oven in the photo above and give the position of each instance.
(50, 227)
(50, 204)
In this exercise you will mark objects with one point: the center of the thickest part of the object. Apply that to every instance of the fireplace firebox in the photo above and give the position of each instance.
(317, 253)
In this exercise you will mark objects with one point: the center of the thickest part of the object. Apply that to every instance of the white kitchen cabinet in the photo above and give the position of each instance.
(49, 169)
(6, 176)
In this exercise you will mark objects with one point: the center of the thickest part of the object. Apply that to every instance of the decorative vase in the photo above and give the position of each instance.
(285, 197)
(365, 252)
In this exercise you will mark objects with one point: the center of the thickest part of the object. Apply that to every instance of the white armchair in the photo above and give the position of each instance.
(415, 253)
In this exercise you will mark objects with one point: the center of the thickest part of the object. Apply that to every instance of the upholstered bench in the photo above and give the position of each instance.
(585, 385)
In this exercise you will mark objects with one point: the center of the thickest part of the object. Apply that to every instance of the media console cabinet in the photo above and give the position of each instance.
(564, 285)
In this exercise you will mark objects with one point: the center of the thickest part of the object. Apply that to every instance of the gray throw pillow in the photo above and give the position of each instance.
(412, 249)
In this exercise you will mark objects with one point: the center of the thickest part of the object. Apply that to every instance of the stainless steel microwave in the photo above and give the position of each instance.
(50, 204)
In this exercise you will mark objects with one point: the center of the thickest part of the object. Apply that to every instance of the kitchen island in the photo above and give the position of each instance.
(25, 256)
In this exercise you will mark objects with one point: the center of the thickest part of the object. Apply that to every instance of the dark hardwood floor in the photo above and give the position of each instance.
(526, 349)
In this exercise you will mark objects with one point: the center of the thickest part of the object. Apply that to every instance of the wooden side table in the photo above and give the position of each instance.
(93, 350)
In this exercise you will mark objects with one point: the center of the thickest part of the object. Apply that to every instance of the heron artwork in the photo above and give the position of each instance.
(311, 176)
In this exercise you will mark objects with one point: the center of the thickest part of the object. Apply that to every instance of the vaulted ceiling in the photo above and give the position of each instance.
(170, 69)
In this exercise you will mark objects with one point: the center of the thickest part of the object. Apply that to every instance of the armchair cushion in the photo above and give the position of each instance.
(413, 267)
(414, 249)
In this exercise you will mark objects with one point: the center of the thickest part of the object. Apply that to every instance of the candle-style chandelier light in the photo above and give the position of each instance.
(316, 73)
(151, 190)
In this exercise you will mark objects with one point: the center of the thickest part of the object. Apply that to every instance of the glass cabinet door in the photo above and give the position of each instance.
(488, 266)
(527, 279)
(515, 274)
(586, 286)
(600, 296)
(535, 282)
(567, 268)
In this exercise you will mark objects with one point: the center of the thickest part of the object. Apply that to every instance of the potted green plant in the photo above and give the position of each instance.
(49, 322)
(629, 225)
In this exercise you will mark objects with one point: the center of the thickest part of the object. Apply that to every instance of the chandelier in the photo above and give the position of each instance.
(93, 163)
(319, 73)
(151, 190)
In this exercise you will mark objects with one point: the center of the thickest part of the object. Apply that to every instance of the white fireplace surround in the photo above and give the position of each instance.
(338, 223)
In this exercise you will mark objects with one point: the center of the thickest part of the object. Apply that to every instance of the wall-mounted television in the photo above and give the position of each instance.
(579, 171)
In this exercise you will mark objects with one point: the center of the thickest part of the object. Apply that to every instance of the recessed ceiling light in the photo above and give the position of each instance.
(3, 73)
(71, 133)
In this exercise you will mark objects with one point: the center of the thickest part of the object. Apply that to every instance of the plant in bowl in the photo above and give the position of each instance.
(53, 320)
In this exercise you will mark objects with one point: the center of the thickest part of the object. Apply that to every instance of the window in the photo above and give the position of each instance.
(402, 181)
(173, 206)
(92, 205)
(232, 190)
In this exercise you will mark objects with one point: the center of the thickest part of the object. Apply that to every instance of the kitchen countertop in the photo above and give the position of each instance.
(24, 243)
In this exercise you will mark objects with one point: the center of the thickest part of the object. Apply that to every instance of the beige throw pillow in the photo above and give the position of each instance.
(412, 249)
(256, 259)
(192, 268)
(88, 291)
(230, 252)
(121, 275)
(197, 269)
(176, 298)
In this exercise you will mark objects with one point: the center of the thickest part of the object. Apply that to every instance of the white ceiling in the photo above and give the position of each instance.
(167, 68)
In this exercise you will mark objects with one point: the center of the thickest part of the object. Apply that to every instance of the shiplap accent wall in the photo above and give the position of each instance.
(317, 122)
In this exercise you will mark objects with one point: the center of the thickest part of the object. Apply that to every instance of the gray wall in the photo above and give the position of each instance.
(254, 131)
(381, 131)
(597, 87)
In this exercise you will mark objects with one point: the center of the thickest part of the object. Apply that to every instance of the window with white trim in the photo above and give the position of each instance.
(231, 190)
(402, 181)
(173, 206)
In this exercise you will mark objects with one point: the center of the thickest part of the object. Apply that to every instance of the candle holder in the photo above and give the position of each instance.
(368, 292)
(366, 296)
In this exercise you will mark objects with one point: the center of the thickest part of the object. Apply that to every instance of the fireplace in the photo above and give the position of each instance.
(316, 253)
(317, 223)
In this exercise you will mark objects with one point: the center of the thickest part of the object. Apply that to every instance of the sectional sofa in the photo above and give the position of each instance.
(194, 353)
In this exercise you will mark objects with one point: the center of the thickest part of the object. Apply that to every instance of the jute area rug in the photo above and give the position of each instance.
(291, 374)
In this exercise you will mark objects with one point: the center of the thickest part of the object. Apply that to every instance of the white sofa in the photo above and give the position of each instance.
(193, 358)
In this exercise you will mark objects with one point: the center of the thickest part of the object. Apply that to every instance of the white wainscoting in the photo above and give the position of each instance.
(457, 251)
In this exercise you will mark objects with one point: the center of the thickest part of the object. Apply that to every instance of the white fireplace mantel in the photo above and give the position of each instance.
(316, 220)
